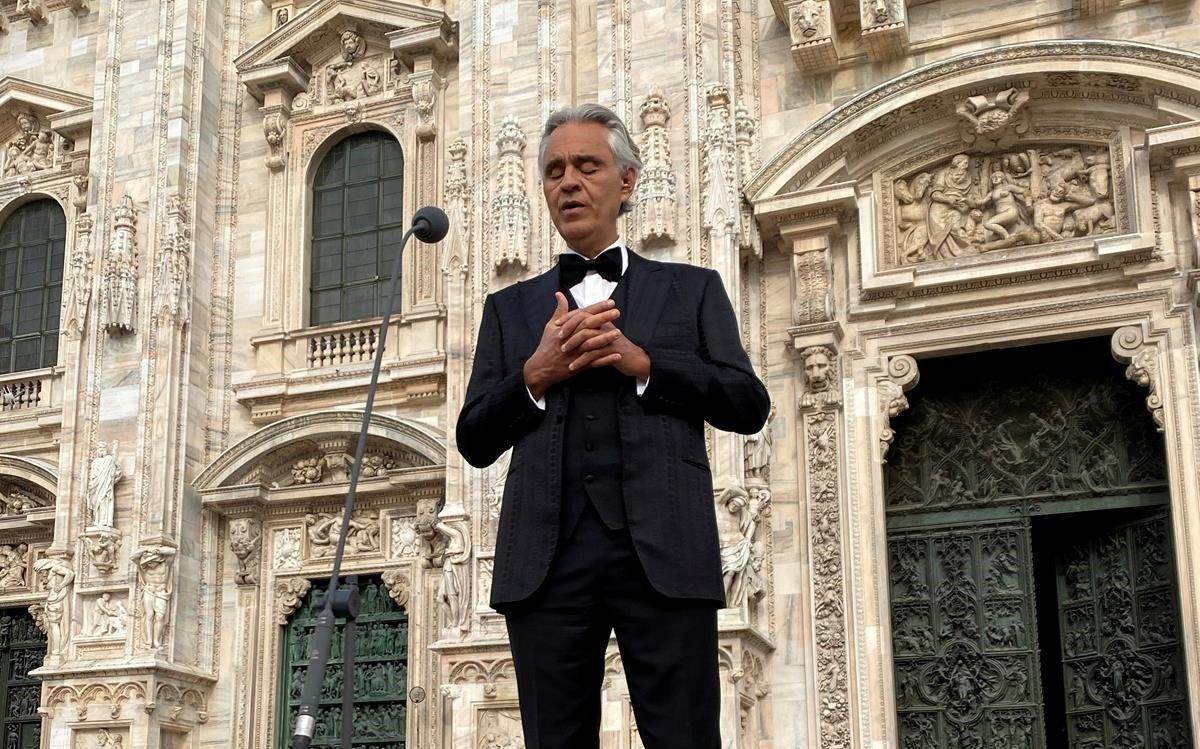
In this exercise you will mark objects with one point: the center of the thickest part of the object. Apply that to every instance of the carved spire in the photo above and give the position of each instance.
(510, 207)
(1129, 346)
(173, 288)
(902, 376)
(458, 240)
(119, 292)
(720, 207)
(655, 205)
(745, 130)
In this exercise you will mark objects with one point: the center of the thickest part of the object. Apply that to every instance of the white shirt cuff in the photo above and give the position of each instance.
(641, 385)
(540, 402)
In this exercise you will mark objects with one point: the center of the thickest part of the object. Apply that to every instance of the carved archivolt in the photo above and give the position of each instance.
(1129, 346)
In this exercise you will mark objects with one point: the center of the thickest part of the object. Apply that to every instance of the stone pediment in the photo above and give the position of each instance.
(30, 115)
(314, 41)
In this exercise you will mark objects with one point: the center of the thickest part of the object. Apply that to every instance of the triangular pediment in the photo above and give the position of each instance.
(307, 35)
(48, 104)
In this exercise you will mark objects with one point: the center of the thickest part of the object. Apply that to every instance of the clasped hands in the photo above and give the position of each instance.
(575, 340)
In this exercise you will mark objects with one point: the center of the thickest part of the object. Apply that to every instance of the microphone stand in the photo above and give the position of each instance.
(343, 603)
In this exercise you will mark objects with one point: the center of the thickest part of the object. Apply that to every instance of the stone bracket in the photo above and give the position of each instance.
(884, 28)
(1130, 346)
(902, 376)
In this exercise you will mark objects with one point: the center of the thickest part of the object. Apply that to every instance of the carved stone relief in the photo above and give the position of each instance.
(119, 287)
(103, 738)
(289, 592)
(973, 204)
(655, 204)
(353, 75)
(108, 617)
(323, 528)
(405, 541)
(102, 546)
(15, 501)
(285, 549)
(31, 149)
(510, 207)
(245, 541)
(821, 383)
(990, 122)
(500, 729)
(155, 580)
(14, 566)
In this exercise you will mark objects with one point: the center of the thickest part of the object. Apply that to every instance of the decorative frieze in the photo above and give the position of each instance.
(353, 75)
(1129, 345)
(119, 285)
(109, 617)
(810, 243)
(510, 207)
(902, 376)
(655, 204)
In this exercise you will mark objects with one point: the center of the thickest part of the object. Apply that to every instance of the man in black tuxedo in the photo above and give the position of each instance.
(600, 374)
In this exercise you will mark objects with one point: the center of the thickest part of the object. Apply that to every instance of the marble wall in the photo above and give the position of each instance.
(876, 181)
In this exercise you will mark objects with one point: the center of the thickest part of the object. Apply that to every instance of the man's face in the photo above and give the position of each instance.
(583, 186)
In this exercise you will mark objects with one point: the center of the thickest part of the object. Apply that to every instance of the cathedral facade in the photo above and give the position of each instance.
(961, 240)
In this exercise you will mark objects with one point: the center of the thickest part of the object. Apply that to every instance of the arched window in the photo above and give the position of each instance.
(32, 240)
(358, 203)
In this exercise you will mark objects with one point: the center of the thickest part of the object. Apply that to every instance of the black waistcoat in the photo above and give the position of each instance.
(592, 441)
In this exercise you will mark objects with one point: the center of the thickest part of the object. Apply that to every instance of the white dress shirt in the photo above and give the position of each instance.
(592, 289)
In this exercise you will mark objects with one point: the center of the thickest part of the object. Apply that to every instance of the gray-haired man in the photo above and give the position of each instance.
(600, 374)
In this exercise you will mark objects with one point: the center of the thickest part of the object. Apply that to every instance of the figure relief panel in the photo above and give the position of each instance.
(950, 202)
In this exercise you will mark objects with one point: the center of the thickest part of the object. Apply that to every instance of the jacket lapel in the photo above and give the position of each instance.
(537, 295)
(647, 292)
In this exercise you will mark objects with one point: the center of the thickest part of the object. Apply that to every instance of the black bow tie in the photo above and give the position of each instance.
(572, 268)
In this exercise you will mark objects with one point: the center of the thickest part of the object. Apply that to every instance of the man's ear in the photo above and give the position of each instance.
(629, 180)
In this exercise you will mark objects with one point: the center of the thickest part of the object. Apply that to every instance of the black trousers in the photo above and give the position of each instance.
(668, 647)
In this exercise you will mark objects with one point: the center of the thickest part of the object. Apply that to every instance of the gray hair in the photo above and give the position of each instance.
(625, 151)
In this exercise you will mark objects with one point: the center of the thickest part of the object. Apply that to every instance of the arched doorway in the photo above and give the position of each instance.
(22, 649)
(1034, 598)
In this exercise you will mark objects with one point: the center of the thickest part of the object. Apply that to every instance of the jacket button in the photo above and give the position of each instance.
(589, 478)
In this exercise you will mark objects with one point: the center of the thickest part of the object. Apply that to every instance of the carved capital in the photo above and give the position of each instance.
(902, 376)
(1129, 346)
(425, 88)
(288, 594)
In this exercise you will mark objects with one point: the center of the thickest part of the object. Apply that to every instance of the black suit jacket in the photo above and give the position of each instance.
(681, 316)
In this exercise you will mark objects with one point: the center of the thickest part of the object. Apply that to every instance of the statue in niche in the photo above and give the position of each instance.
(59, 577)
(108, 617)
(352, 77)
(154, 575)
(452, 556)
(12, 565)
(999, 201)
(758, 450)
(103, 475)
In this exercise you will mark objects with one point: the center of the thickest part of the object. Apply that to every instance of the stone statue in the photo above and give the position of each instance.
(737, 527)
(245, 541)
(103, 475)
(758, 450)
(108, 617)
(154, 576)
(102, 547)
(59, 578)
(453, 556)
(12, 565)
(351, 78)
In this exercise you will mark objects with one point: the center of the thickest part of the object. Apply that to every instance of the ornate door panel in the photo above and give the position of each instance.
(22, 649)
(380, 671)
(1119, 633)
(964, 637)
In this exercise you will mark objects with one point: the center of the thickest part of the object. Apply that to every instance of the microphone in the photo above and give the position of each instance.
(429, 224)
